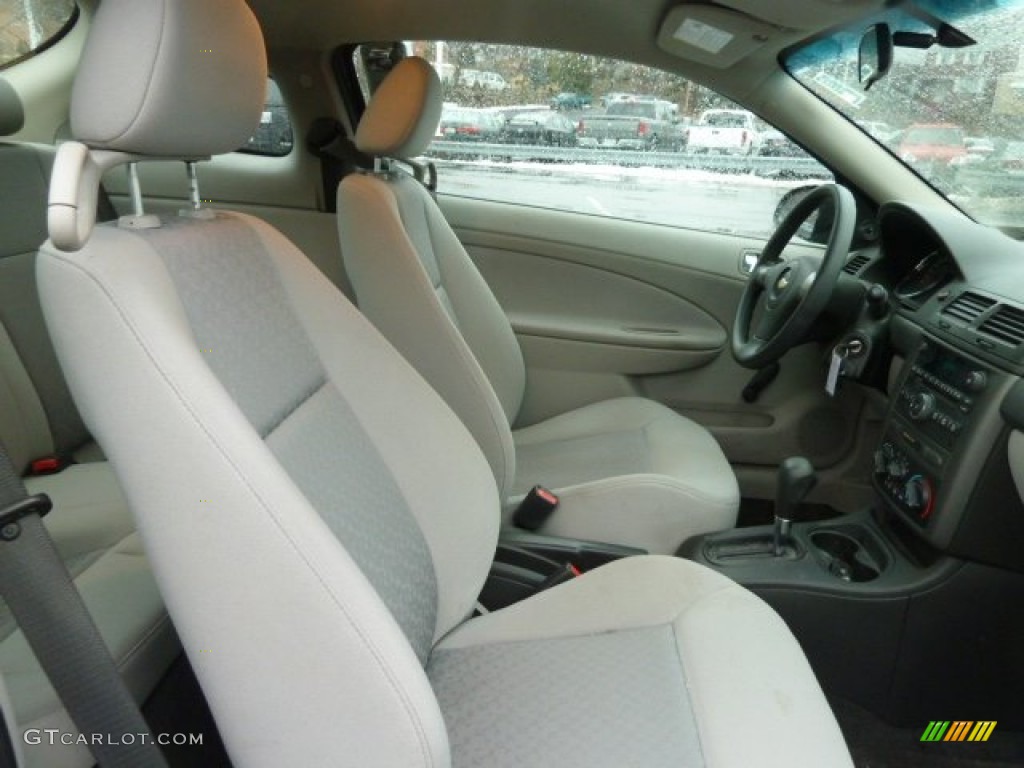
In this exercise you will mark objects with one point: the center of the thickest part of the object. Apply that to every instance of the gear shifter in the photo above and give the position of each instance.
(796, 478)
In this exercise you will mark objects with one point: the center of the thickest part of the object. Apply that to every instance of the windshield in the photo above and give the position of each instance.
(954, 115)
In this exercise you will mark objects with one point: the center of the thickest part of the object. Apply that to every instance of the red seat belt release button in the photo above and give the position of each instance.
(535, 508)
(45, 466)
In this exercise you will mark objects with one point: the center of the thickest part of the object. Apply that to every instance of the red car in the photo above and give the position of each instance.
(939, 143)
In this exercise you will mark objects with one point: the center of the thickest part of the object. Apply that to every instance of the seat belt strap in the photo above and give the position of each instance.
(50, 612)
(326, 139)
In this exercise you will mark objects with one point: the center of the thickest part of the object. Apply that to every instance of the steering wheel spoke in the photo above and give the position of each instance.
(794, 292)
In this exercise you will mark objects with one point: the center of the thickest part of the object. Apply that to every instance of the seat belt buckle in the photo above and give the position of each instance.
(565, 572)
(39, 504)
(535, 508)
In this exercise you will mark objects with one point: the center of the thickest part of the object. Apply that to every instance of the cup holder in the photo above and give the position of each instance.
(849, 555)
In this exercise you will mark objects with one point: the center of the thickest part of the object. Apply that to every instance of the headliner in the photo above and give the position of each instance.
(623, 29)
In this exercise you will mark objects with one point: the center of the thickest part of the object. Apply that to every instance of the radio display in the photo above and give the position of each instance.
(947, 366)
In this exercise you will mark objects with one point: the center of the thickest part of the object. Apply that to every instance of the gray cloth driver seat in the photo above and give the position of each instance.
(291, 478)
(629, 470)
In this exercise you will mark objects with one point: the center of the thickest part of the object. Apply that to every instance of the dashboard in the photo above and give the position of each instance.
(955, 333)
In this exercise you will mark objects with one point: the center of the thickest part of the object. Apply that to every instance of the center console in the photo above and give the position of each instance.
(942, 424)
(922, 580)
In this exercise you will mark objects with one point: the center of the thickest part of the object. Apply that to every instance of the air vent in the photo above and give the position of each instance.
(1006, 324)
(968, 307)
(856, 264)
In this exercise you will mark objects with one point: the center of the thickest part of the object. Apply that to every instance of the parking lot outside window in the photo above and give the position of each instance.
(600, 137)
(274, 136)
(30, 26)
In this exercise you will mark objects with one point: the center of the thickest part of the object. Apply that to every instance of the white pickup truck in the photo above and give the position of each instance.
(724, 131)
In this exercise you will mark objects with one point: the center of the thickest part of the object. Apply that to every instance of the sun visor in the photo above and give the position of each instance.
(716, 37)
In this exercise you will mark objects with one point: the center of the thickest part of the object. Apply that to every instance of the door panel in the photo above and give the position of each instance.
(574, 284)
(572, 316)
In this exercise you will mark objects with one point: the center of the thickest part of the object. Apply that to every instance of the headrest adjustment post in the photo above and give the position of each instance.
(135, 189)
(193, 185)
(138, 219)
(196, 210)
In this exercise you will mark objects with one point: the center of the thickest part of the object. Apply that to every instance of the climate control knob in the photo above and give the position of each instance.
(921, 405)
(918, 496)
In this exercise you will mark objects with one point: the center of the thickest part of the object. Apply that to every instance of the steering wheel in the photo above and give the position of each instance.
(795, 290)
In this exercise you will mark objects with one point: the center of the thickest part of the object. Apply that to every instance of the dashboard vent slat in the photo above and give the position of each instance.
(968, 307)
(856, 264)
(1006, 324)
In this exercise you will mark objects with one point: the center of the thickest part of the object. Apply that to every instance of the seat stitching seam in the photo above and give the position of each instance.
(682, 656)
(686, 684)
(315, 389)
(374, 651)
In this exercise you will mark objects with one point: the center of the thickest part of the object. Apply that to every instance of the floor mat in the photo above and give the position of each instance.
(876, 744)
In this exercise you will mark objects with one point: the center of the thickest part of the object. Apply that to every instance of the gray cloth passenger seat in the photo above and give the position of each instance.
(91, 524)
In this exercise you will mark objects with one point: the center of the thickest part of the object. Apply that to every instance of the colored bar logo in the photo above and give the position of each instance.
(958, 730)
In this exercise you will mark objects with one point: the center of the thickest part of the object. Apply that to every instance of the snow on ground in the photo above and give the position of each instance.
(609, 172)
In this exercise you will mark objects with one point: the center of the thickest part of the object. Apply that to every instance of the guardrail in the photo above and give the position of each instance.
(791, 167)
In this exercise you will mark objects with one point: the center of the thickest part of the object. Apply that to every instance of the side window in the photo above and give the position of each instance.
(602, 137)
(273, 136)
(29, 26)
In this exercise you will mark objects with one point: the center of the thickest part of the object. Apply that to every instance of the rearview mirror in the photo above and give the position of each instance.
(874, 57)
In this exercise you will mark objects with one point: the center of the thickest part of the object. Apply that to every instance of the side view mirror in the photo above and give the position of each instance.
(874, 57)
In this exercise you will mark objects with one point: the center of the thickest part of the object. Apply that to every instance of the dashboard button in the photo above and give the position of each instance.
(976, 381)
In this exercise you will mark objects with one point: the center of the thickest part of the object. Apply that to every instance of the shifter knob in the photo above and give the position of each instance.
(796, 478)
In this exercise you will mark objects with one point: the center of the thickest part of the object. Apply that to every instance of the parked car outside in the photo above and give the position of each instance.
(491, 81)
(469, 124)
(1000, 174)
(274, 134)
(724, 131)
(979, 146)
(551, 128)
(647, 124)
(570, 101)
(932, 144)
(777, 144)
(615, 96)
(1012, 157)
(880, 130)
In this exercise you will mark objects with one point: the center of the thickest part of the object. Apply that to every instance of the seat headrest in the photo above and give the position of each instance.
(170, 78)
(401, 118)
(12, 115)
